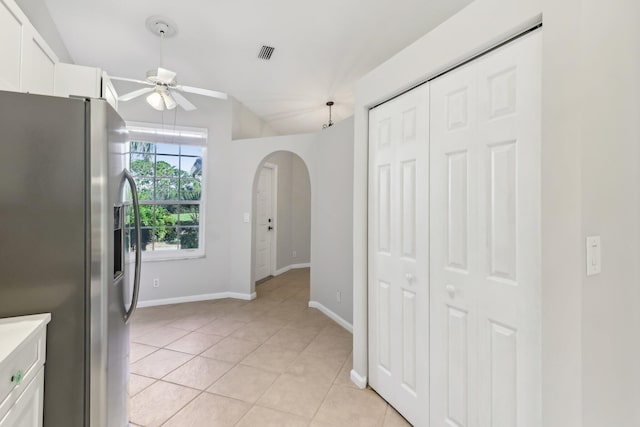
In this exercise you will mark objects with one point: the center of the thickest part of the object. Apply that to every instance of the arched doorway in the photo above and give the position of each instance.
(281, 216)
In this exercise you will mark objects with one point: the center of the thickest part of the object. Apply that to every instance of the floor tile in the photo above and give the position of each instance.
(258, 330)
(349, 407)
(271, 358)
(193, 321)
(159, 337)
(154, 405)
(138, 383)
(393, 419)
(295, 395)
(160, 363)
(194, 343)
(199, 372)
(320, 368)
(231, 350)
(293, 339)
(221, 327)
(138, 351)
(244, 383)
(265, 417)
(344, 377)
(209, 410)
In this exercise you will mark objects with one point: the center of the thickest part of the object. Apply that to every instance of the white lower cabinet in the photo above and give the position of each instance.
(27, 411)
(22, 356)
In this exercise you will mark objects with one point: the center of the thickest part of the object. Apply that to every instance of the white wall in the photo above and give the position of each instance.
(610, 163)
(590, 172)
(246, 124)
(332, 226)
(203, 275)
(245, 158)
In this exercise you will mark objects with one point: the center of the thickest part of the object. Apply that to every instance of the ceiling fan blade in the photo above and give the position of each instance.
(125, 79)
(136, 93)
(166, 76)
(182, 101)
(200, 91)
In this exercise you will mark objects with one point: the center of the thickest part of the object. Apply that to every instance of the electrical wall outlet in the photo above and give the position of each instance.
(156, 283)
(339, 296)
(294, 254)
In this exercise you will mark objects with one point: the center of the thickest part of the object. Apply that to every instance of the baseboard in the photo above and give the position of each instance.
(195, 298)
(291, 267)
(358, 380)
(333, 316)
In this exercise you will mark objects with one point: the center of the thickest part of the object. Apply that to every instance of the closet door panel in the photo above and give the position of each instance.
(398, 253)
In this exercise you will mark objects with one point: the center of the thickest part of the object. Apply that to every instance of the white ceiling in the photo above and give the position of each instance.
(322, 47)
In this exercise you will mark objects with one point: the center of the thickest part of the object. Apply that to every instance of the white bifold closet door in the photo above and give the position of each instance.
(485, 240)
(398, 253)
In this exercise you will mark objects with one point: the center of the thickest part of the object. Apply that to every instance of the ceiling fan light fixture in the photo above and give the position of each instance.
(169, 102)
(156, 101)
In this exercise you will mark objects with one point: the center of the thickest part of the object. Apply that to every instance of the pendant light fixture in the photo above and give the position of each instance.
(330, 123)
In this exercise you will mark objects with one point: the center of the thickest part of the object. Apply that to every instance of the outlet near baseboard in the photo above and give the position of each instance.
(156, 283)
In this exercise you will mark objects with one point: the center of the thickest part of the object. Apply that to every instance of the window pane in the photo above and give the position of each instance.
(167, 165)
(146, 239)
(142, 147)
(167, 189)
(191, 167)
(190, 189)
(189, 215)
(189, 238)
(166, 215)
(141, 164)
(145, 188)
(166, 238)
(167, 149)
(190, 150)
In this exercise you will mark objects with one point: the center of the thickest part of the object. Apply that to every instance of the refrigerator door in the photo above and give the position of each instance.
(43, 187)
(109, 342)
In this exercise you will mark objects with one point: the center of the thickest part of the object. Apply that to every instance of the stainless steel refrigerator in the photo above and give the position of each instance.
(62, 248)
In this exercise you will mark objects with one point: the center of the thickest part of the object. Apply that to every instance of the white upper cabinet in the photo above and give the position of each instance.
(28, 63)
(89, 82)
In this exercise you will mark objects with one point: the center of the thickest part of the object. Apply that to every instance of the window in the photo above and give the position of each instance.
(168, 167)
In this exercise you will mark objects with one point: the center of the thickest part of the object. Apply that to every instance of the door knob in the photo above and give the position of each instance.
(451, 290)
(270, 228)
(410, 278)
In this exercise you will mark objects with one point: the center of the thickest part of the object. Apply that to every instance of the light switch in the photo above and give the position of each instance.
(246, 217)
(594, 261)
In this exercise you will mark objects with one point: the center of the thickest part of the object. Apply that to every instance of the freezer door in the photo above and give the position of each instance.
(109, 343)
(43, 237)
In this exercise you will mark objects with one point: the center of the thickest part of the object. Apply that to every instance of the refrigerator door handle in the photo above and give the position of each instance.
(136, 214)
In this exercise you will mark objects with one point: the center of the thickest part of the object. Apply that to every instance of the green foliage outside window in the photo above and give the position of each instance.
(163, 188)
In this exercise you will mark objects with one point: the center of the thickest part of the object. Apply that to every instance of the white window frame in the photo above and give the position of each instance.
(178, 135)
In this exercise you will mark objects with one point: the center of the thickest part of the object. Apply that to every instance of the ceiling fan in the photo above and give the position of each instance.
(164, 92)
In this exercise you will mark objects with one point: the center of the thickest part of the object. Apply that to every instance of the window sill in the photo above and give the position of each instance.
(161, 257)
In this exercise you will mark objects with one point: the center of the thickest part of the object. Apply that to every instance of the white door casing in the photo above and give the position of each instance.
(398, 253)
(265, 222)
(485, 240)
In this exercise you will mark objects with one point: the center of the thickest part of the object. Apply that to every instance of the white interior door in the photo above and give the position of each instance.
(398, 253)
(485, 247)
(264, 224)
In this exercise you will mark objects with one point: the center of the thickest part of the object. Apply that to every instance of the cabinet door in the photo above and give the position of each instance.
(38, 64)
(12, 22)
(27, 411)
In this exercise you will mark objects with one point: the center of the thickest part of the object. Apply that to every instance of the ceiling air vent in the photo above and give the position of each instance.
(266, 52)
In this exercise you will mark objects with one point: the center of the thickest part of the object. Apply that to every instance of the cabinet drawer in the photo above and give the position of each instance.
(27, 411)
(20, 368)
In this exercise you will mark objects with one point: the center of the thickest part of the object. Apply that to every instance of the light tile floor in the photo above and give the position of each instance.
(268, 362)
